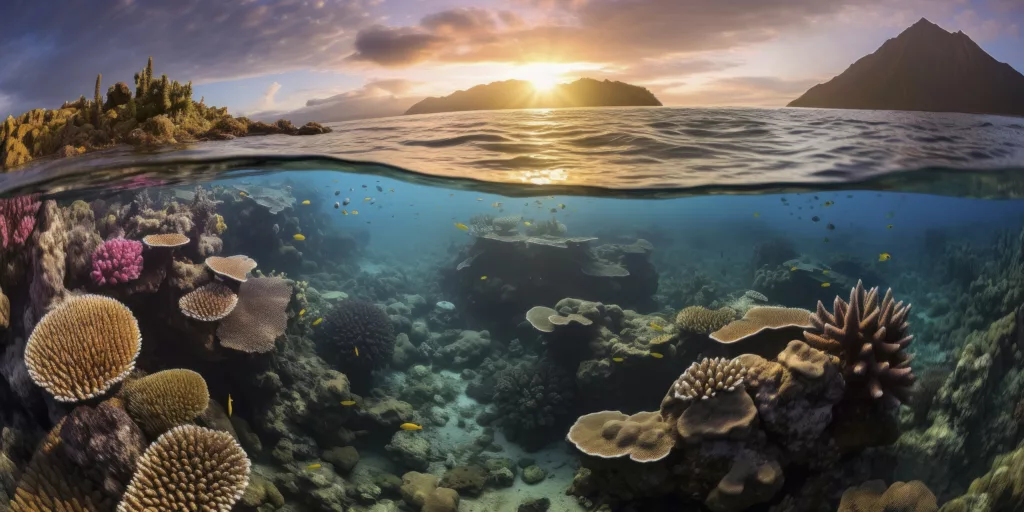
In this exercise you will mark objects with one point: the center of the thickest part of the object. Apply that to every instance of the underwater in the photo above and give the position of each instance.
(568, 299)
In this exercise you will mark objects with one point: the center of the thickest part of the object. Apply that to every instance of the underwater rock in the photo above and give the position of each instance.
(468, 350)
(534, 505)
(344, 458)
(416, 487)
(534, 474)
(103, 440)
(469, 480)
(442, 499)
(873, 495)
(410, 449)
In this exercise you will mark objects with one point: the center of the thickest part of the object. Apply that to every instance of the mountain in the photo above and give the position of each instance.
(585, 92)
(924, 68)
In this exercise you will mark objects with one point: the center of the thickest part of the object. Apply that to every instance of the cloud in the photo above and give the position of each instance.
(52, 50)
(377, 98)
(268, 97)
(748, 91)
(400, 46)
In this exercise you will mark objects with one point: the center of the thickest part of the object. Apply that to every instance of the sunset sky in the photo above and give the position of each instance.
(375, 56)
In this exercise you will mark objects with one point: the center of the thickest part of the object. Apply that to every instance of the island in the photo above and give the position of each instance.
(508, 94)
(159, 111)
(925, 68)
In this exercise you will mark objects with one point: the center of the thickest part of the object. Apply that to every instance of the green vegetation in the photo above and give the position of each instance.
(160, 112)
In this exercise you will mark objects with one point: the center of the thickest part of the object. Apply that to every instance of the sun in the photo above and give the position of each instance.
(543, 77)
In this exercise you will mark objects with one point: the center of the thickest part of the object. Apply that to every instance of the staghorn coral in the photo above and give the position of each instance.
(533, 402)
(870, 338)
(104, 441)
(235, 268)
(165, 399)
(700, 320)
(260, 316)
(351, 325)
(702, 380)
(116, 261)
(208, 303)
(873, 495)
(644, 436)
(188, 468)
(83, 347)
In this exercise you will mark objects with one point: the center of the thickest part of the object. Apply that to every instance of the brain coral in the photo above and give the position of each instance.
(83, 347)
(609, 434)
(188, 468)
(260, 317)
(870, 338)
(534, 401)
(165, 399)
(355, 324)
(701, 320)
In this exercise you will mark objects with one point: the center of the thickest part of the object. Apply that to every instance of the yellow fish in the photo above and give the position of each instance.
(461, 226)
(367, 198)
(356, 350)
(243, 194)
(355, 212)
(657, 327)
(527, 223)
(884, 256)
(483, 278)
(317, 322)
(298, 236)
(889, 226)
(410, 426)
(231, 403)
(306, 201)
(303, 312)
(344, 212)
(656, 355)
(829, 203)
(618, 359)
(562, 206)
(348, 403)
(824, 272)
(756, 215)
(826, 285)
(313, 466)
(792, 269)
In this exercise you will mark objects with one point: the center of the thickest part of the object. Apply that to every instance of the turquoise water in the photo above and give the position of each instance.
(410, 339)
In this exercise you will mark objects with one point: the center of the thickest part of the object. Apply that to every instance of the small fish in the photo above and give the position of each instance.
(337, 205)
(889, 226)
(462, 227)
(825, 272)
(346, 201)
(527, 223)
(306, 201)
(483, 278)
(367, 199)
(815, 218)
(303, 312)
(657, 327)
(243, 194)
(317, 322)
(656, 355)
(884, 256)
(756, 215)
(561, 205)
(313, 466)
(356, 350)
(379, 189)
(364, 186)
(344, 212)
(618, 359)
(298, 236)
(355, 212)
(231, 405)
(792, 269)
(479, 199)
(410, 426)
(391, 190)
(337, 192)
(826, 284)
(348, 403)
(830, 227)
(829, 203)
(496, 204)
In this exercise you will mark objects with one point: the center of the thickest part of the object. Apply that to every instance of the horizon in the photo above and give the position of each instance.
(375, 58)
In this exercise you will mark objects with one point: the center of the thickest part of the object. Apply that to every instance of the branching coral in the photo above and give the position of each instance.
(870, 338)
(165, 399)
(116, 261)
(17, 220)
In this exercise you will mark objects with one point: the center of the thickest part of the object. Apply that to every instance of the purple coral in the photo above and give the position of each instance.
(17, 219)
(116, 261)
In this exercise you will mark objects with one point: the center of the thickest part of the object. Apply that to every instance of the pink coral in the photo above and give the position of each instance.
(116, 261)
(17, 219)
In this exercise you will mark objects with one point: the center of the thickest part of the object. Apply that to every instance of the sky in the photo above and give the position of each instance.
(342, 59)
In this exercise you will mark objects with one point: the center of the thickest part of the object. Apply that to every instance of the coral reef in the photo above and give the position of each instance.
(116, 261)
(260, 316)
(357, 337)
(533, 402)
(165, 399)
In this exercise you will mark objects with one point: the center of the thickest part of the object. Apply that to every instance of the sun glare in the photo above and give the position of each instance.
(543, 77)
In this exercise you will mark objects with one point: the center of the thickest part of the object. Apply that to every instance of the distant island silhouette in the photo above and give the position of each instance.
(585, 92)
(924, 68)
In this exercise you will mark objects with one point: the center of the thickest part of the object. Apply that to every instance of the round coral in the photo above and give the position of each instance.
(355, 325)
(188, 468)
(534, 402)
(165, 399)
(116, 261)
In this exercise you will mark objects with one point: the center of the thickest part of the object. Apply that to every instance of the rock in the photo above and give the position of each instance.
(410, 449)
(501, 477)
(388, 483)
(344, 458)
(442, 499)
(525, 462)
(367, 492)
(468, 480)
(534, 474)
(310, 128)
(386, 412)
(416, 487)
(385, 506)
(535, 505)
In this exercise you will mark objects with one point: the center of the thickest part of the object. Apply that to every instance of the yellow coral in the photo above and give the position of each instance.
(701, 320)
(166, 399)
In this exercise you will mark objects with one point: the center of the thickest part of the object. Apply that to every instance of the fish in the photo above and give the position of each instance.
(826, 284)
(299, 236)
(355, 212)
(483, 278)
(391, 190)
(348, 403)
(756, 215)
(889, 226)
(379, 189)
(815, 218)
(317, 322)
(344, 212)
(479, 199)
(656, 355)
(618, 359)
(367, 199)
(657, 327)
(461, 227)
(792, 269)
(830, 227)
(496, 204)
(306, 201)
(337, 192)
(346, 201)
(231, 405)
(884, 256)
(313, 466)
(410, 426)
(364, 186)
(243, 194)
(825, 272)
(302, 312)
(356, 350)
(561, 205)
(337, 205)
(829, 203)
(527, 223)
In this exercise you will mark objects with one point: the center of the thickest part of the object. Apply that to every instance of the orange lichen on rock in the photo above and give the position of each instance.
(165, 240)
(701, 320)
(208, 303)
(760, 319)
(165, 399)
(83, 347)
(188, 468)
(260, 316)
(235, 268)
(644, 437)
(913, 496)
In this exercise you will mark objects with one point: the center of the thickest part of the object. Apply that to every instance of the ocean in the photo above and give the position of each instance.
(567, 310)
